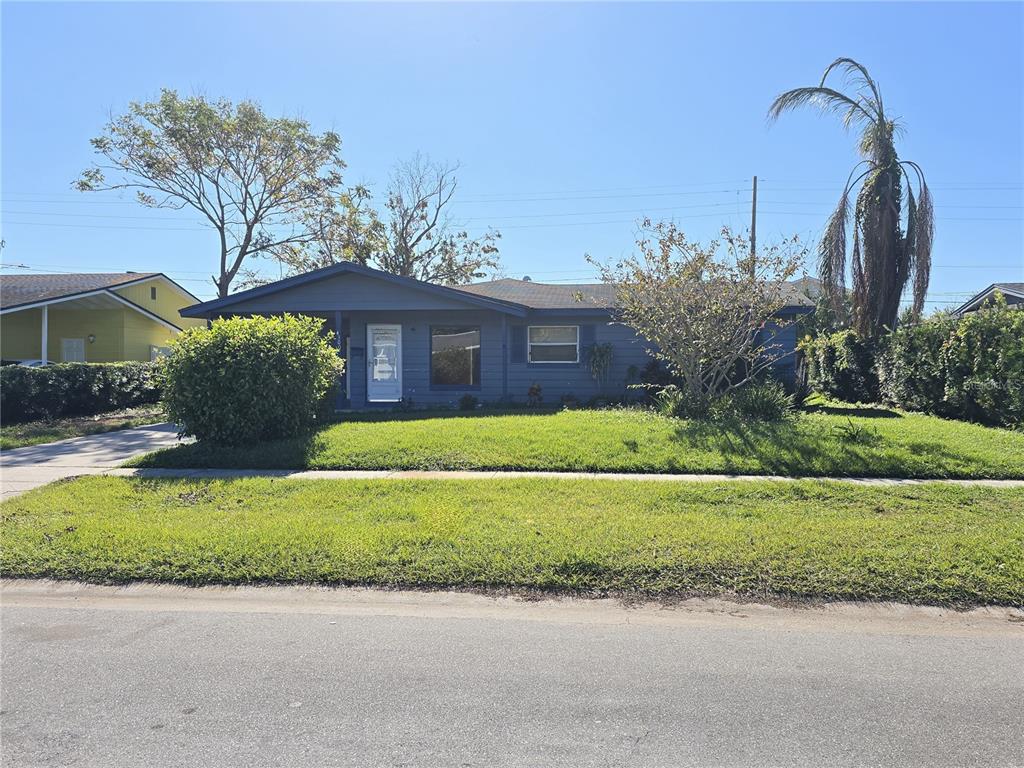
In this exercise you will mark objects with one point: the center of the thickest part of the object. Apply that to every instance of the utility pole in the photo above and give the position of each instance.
(753, 222)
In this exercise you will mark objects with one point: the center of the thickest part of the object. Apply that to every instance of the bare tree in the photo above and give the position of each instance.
(422, 241)
(259, 182)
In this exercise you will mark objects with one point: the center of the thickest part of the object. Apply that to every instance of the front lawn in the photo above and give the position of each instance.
(47, 431)
(830, 441)
(929, 543)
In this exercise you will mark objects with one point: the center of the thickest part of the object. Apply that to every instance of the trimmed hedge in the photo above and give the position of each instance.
(74, 389)
(970, 368)
(249, 379)
(842, 365)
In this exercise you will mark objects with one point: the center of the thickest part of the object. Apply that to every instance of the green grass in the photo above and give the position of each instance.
(828, 441)
(36, 432)
(928, 544)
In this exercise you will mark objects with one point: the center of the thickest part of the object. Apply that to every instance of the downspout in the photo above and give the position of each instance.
(504, 357)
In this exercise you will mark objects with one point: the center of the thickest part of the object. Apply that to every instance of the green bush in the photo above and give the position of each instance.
(74, 389)
(759, 401)
(249, 379)
(842, 365)
(983, 365)
(910, 367)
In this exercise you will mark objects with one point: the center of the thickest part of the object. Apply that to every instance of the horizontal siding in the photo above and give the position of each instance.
(558, 380)
(169, 300)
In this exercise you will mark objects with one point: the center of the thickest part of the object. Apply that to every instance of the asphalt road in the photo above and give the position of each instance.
(172, 677)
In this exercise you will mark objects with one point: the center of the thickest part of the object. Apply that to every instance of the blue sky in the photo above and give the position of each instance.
(569, 121)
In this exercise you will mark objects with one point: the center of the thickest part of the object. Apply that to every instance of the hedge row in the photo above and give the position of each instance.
(74, 389)
(969, 368)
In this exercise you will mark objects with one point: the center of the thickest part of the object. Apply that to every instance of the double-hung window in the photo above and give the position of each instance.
(455, 356)
(553, 343)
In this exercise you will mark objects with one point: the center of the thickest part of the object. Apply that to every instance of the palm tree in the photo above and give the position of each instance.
(892, 229)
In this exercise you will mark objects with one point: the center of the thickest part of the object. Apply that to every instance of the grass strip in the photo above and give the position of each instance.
(921, 544)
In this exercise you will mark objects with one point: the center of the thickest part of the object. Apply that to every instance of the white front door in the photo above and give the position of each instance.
(383, 363)
(72, 350)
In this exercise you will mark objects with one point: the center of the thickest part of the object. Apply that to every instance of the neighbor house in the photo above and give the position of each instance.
(1012, 292)
(90, 317)
(409, 341)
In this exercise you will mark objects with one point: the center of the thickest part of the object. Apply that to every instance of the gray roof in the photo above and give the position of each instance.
(1013, 291)
(545, 295)
(16, 290)
(571, 296)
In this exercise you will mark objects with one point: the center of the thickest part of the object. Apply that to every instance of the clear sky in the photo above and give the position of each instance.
(570, 121)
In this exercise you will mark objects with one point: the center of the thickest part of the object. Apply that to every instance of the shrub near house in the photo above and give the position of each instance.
(248, 379)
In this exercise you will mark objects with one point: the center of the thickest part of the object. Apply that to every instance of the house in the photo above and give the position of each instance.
(406, 340)
(90, 317)
(1013, 292)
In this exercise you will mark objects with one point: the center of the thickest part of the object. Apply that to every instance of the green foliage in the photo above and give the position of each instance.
(983, 362)
(911, 374)
(842, 366)
(262, 183)
(599, 360)
(910, 445)
(249, 379)
(468, 403)
(927, 543)
(760, 401)
(74, 389)
(970, 368)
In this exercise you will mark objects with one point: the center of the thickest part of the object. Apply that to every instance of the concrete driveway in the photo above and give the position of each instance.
(22, 469)
(170, 676)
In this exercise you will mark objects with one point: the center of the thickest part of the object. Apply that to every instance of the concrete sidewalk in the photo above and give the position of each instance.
(22, 469)
(413, 474)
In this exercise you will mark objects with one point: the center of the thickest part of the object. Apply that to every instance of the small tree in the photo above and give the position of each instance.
(260, 182)
(710, 314)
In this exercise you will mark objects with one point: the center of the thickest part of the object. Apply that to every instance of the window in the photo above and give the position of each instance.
(455, 356)
(554, 343)
(152, 293)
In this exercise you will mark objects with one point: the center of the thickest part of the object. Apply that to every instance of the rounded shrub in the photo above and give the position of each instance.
(248, 379)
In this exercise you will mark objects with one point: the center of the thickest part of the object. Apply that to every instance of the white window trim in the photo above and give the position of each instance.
(530, 344)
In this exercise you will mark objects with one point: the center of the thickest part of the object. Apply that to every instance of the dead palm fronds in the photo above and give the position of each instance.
(893, 228)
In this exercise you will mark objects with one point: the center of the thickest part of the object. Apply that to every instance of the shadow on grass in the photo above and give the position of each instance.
(865, 411)
(789, 448)
(294, 453)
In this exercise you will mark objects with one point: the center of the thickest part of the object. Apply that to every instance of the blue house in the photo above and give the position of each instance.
(406, 340)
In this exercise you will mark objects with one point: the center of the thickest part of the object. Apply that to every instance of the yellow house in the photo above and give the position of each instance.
(91, 317)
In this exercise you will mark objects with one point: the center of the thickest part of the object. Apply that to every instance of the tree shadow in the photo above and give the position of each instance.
(865, 411)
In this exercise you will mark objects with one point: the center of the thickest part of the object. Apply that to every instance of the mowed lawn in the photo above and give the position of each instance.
(830, 441)
(929, 543)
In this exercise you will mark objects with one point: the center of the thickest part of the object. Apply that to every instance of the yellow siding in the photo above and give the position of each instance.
(169, 300)
(106, 325)
(140, 332)
(19, 335)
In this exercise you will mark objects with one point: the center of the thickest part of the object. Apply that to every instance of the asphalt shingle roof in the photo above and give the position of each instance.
(565, 296)
(544, 295)
(16, 290)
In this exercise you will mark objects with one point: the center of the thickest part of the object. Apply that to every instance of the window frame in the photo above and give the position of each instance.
(456, 387)
(531, 344)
